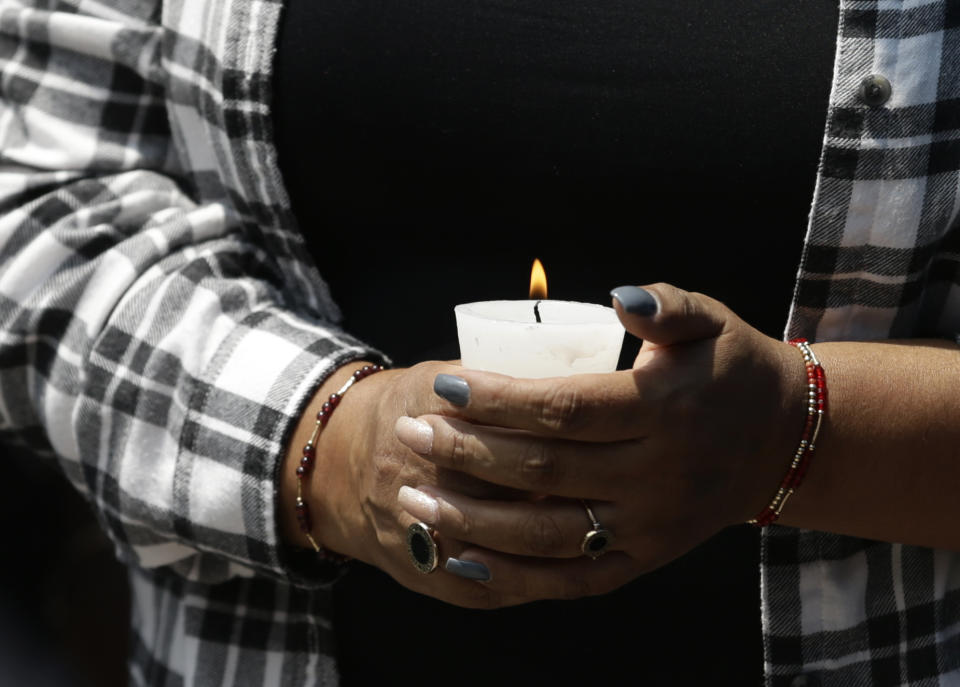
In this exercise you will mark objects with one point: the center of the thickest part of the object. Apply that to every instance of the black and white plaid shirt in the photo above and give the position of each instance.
(161, 326)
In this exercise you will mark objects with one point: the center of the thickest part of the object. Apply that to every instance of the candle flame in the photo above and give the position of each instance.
(538, 281)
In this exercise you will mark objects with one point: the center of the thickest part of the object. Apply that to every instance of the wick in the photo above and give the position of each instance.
(536, 310)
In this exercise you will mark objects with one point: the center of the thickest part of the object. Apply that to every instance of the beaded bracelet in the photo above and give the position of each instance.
(816, 410)
(310, 451)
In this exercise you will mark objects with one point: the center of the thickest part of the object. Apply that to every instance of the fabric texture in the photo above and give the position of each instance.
(161, 328)
(880, 261)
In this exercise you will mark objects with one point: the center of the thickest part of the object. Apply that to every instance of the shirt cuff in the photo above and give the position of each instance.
(239, 421)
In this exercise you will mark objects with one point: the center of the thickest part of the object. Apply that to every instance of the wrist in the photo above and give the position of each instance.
(312, 489)
(815, 396)
(785, 430)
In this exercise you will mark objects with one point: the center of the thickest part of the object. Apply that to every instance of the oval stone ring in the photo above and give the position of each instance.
(598, 540)
(422, 547)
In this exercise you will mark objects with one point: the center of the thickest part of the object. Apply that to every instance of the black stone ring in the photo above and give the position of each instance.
(422, 548)
(598, 540)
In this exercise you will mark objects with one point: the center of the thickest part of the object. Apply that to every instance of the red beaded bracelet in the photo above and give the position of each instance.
(816, 410)
(310, 450)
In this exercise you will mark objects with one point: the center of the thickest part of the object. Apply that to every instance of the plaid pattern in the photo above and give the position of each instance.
(880, 261)
(161, 327)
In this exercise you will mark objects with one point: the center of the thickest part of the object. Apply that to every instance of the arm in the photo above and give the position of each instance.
(161, 335)
(359, 468)
(149, 341)
(166, 384)
(695, 438)
(889, 462)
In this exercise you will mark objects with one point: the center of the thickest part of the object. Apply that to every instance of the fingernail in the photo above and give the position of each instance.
(470, 570)
(636, 301)
(415, 434)
(419, 505)
(454, 389)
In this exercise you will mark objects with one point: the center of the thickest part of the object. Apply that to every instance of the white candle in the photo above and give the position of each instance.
(572, 338)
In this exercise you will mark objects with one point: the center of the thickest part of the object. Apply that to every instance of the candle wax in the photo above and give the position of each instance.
(573, 338)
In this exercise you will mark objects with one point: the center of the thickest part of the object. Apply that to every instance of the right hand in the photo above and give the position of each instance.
(360, 467)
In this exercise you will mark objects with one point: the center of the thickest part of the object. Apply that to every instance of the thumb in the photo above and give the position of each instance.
(664, 315)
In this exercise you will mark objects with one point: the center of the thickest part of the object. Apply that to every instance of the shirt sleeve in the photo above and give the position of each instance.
(148, 340)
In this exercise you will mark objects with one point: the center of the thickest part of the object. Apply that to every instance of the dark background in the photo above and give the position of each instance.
(63, 596)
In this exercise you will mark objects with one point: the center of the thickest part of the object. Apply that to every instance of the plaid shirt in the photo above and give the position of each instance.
(881, 260)
(161, 327)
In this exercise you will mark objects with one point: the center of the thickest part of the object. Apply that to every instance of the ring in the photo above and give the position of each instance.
(595, 542)
(422, 548)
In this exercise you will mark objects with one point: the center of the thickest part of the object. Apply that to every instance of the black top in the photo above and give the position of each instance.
(433, 149)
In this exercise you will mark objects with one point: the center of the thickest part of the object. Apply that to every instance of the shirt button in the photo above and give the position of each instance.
(875, 90)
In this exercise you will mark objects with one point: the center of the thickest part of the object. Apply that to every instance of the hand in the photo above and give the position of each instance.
(694, 438)
(360, 465)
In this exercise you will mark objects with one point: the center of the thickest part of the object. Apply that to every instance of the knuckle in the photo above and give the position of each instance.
(461, 524)
(539, 465)
(541, 535)
(562, 408)
(386, 468)
(500, 397)
(689, 307)
(504, 394)
(458, 450)
(422, 368)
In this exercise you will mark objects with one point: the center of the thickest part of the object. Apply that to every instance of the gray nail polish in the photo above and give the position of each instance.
(470, 570)
(635, 300)
(454, 389)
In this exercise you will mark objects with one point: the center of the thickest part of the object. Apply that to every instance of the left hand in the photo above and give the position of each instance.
(694, 438)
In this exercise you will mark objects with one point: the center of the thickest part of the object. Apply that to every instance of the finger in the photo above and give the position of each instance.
(475, 577)
(595, 407)
(521, 460)
(449, 587)
(664, 315)
(530, 579)
(474, 487)
(550, 528)
(430, 547)
(457, 579)
(415, 395)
